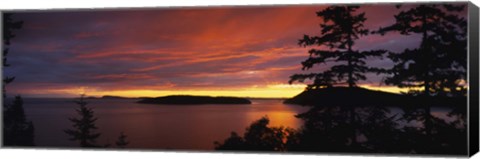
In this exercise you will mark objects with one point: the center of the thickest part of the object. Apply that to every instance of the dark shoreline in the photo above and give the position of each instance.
(194, 100)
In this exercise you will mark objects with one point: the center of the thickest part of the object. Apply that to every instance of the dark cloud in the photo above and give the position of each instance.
(174, 48)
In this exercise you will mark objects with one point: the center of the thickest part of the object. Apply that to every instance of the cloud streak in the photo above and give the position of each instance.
(173, 49)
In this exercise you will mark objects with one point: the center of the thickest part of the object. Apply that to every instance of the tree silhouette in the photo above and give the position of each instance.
(438, 65)
(122, 141)
(234, 142)
(84, 126)
(340, 28)
(440, 61)
(325, 129)
(16, 129)
(328, 129)
(258, 137)
(381, 131)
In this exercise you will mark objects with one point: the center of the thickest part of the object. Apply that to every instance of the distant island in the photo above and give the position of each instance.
(357, 96)
(344, 96)
(113, 97)
(194, 100)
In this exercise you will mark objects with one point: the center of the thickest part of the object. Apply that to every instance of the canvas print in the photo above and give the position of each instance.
(331, 78)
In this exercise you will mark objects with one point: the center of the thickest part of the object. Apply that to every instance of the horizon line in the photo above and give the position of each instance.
(373, 88)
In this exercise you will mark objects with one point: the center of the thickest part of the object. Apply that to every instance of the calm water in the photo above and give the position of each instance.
(188, 127)
(156, 126)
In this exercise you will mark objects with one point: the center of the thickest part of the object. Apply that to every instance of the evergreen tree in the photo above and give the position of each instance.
(438, 65)
(341, 27)
(17, 130)
(122, 141)
(8, 26)
(84, 126)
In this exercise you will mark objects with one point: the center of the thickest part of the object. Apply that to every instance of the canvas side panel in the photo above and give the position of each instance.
(473, 110)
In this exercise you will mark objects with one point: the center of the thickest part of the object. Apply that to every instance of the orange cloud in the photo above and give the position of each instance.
(238, 51)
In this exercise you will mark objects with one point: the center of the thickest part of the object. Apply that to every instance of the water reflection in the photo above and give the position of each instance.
(188, 127)
(156, 126)
(279, 114)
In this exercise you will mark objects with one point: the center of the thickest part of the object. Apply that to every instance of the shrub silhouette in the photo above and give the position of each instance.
(122, 141)
(258, 137)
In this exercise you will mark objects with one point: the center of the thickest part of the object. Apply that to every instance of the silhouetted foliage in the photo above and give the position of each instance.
(326, 129)
(362, 121)
(9, 25)
(258, 137)
(438, 65)
(17, 131)
(84, 126)
(328, 124)
(234, 142)
(340, 28)
(329, 129)
(122, 141)
(381, 130)
(333, 126)
(445, 138)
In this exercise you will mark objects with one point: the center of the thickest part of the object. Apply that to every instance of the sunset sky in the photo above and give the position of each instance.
(219, 51)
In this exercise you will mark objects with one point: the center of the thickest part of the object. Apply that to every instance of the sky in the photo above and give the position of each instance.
(218, 51)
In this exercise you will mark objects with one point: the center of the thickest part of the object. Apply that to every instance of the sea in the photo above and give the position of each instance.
(160, 127)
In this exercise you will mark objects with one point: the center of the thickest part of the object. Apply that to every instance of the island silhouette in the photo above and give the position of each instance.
(191, 100)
